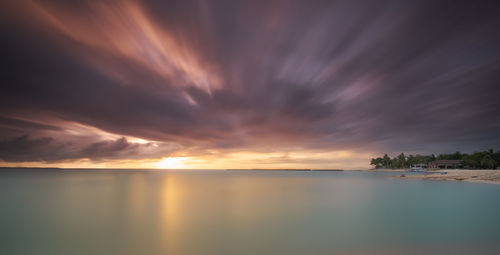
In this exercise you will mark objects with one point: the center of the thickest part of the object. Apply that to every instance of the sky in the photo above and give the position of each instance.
(245, 84)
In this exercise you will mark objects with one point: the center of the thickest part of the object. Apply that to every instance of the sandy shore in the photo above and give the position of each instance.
(481, 176)
(397, 170)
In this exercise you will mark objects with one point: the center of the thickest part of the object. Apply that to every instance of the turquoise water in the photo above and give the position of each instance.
(234, 212)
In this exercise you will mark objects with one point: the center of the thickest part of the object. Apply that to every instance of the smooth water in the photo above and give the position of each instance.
(236, 212)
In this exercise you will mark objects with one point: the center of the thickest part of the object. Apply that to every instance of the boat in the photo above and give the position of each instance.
(417, 168)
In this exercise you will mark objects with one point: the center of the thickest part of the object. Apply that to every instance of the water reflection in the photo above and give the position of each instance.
(179, 212)
(171, 214)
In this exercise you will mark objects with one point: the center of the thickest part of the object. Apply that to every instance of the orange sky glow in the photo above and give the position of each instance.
(240, 84)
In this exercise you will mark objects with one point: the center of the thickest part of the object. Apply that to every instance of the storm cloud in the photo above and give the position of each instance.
(82, 80)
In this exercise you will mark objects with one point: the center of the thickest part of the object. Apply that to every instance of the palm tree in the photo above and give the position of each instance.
(488, 162)
(401, 160)
(387, 161)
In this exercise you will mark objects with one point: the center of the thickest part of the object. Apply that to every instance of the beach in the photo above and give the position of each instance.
(468, 175)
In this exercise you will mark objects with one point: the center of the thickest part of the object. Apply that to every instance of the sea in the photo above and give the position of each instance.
(218, 212)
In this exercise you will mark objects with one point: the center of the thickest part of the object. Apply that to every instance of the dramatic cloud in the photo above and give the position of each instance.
(313, 83)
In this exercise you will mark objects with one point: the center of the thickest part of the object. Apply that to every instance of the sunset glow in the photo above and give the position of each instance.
(266, 127)
(243, 84)
(173, 163)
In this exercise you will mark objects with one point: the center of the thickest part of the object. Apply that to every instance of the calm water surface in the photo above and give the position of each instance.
(234, 212)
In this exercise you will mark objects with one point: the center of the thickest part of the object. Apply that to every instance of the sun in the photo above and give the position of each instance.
(171, 163)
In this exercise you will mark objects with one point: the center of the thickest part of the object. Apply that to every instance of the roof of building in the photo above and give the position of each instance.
(447, 161)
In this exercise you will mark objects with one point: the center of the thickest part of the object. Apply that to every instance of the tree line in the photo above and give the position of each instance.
(477, 160)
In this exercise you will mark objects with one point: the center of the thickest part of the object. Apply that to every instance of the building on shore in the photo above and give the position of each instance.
(446, 163)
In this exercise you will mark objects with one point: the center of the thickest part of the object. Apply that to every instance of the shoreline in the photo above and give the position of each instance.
(465, 175)
(397, 170)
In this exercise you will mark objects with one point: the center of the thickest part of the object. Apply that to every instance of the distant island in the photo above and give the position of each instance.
(478, 160)
(283, 169)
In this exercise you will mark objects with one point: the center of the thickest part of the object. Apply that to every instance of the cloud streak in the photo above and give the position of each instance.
(203, 77)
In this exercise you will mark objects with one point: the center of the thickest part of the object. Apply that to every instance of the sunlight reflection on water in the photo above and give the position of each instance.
(229, 212)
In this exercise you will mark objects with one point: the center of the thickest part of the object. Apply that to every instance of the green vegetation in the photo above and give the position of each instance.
(477, 160)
